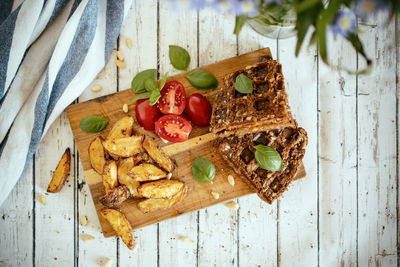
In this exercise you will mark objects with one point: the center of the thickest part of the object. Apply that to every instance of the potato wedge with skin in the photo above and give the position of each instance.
(146, 172)
(121, 226)
(116, 197)
(124, 166)
(110, 176)
(152, 204)
(61, 173)
(161, 188)
(122, 128)
(124, 147)
(157, 155)
(97, 154)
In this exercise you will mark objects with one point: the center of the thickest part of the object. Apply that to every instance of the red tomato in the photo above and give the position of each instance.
(173, 98)
(146, 115)
(173, 128)
(198, 109)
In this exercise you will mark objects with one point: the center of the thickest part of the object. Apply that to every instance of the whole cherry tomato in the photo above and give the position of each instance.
(146, 115)
(173, 98)
(173, 128)
(198, 109)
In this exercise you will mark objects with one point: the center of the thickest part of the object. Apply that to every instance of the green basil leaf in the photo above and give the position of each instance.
(154, 96)
(202, 79)
(268, 158)
(179, 57)
(243, 84)
(150, 85)
(93, 124)
(163, 81)
(141, 96)
(138, 81)
(203, 170)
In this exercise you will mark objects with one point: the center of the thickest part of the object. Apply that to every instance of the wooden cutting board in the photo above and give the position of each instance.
(200, 144)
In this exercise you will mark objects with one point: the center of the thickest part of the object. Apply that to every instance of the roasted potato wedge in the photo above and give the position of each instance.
(161, 203)
(124, 147)
(114, 198)
(161, 188)
(96, 154)
(110, 176)
(157, 155)
(120, 225)
(61, 173)
(122, 128)
(147, 172)
(124, 166)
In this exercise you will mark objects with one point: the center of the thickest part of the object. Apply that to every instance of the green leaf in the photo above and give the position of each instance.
(268, 158)
(179, 57)
(150, 85)
(202, 79)
(93, 124)
(141, 96)
(239, 23)
(154, 96)
(203, 170)
(138, 81)
(163, 81)
(243, 84)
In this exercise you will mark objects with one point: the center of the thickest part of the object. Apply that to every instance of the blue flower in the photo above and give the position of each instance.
(246, 7)
(345, 23)
(364, 8)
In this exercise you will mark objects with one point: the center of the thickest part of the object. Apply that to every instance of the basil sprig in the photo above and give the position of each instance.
(138, 81)
(203, 170)
(268, 158)
(93, 124)
(151, 89)
(179, 57)
(202, 79)
(243, 84)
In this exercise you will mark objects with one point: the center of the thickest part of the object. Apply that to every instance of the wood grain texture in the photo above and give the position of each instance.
(254, 212)
(338, 156)
(377, 218)
(199, 194)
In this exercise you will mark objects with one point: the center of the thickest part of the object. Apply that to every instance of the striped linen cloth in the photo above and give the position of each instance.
(50, 51)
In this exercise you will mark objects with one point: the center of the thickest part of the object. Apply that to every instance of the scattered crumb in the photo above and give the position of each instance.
(215, 195)
(120, 56)
(232, 205)
(120, 64)
(96, 88)
(125, 108)
(185, 239)
(231, 180)
(277, 219)
(128, 42)
(83, 220)
(107, 262)
(86, 237)
(42, 199)
(169, 175)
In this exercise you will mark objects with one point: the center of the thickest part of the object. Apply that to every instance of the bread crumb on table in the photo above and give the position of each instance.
(42, 199)
(128, 42)
(185, 239)
(87, 237)
(231, 180)
(215, 195)
(232, 205)
(96, 88)
(83, 220)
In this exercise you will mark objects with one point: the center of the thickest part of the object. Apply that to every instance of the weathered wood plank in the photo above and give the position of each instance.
(172, 251)
(218, 224)
(297, 209)
(257, 225)
(398, 127)
(16, 223)
(96, 251)
(54, 221)
(377, 151)
(141, 27)
(338, 156)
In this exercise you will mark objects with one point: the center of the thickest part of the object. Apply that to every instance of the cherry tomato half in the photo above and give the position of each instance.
(146, 115)
(173, 98)
(173, 128)
(198, 109)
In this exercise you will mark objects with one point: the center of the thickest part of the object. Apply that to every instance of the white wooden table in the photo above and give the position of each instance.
(343, 213)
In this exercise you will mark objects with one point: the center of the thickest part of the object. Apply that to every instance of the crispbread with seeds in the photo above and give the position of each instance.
(269, 185)
(264, 109)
